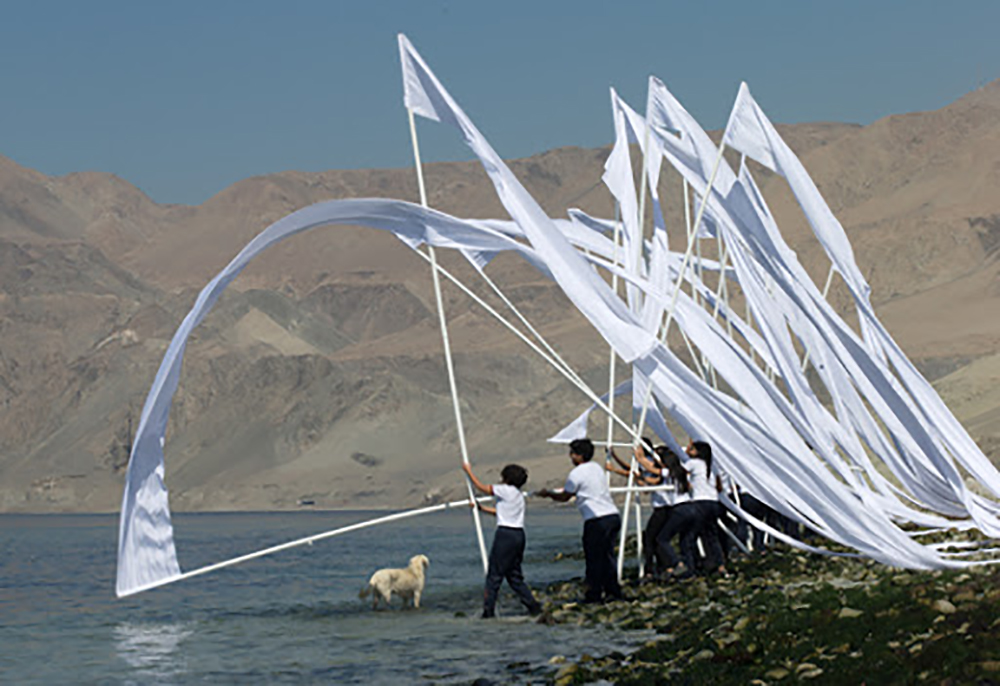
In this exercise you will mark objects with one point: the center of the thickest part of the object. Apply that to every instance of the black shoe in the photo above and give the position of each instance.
(591, 600)
(487, 615)
(535, 610)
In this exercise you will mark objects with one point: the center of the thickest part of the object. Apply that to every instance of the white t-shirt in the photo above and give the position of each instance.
(701, 487)
(510, 506)
(588, 483)
(664, 498)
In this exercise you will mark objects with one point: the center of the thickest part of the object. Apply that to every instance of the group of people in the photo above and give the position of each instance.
(687, 508)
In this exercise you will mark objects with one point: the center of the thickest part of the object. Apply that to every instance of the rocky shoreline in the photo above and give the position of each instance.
(789, 617)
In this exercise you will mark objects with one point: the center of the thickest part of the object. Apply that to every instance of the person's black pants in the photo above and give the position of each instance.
(505, 563)
(652, 549)
(706, 527)
(755, 508)
(599, 537)
(683, 520)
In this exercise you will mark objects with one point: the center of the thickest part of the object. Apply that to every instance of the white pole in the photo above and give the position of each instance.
(447, 346)
(637, 250)
(637, 437)
(680, 281)
(308, 540)
(638, 538)
(724, 285)
(613, 356)
(637, 253)
(625, 514)
(641, 489)
(527, 324)
(687, 222)
(572, 378)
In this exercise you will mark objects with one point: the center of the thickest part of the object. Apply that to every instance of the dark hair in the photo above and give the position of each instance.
(582, 447)
(672, 463)
(514, 474)
(647, 446)
(703, 451)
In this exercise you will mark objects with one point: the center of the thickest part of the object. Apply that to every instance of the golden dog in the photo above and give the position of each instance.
(407, 583)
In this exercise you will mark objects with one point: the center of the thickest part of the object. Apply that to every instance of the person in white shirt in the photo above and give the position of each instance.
(601, 521)
(507, 551)
(705, 488)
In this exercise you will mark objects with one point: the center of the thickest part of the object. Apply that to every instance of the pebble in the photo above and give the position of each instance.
(944, 607)
(566, 674)
(849, 612)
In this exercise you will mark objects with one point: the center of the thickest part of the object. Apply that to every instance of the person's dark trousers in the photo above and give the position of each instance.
(731, 526)
(652, 550)
(683, 518)
(599, 537)
(705, 527)
(755, 508)
(505, 563)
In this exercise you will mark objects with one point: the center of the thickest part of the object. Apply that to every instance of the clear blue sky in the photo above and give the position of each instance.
(184, 98)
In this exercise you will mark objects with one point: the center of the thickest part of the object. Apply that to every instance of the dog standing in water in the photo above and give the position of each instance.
(407, 583)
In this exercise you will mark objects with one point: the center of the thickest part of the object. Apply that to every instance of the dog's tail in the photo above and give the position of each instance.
(365, 591)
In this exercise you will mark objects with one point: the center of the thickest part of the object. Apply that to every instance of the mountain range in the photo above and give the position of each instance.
(319, 377)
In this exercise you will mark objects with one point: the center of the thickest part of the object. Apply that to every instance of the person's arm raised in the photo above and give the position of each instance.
(621, 463)
(646, 463)
(480, 486)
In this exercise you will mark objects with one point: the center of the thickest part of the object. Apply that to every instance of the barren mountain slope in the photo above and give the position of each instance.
(319, 375)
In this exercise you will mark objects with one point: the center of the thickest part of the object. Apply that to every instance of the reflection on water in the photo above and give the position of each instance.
(152, 648)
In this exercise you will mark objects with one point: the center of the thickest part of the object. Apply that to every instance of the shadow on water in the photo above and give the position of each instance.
(288, 618)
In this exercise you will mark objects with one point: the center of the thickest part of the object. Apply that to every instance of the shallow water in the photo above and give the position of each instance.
(292, 617)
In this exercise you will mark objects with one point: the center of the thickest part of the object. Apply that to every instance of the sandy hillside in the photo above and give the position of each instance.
(319, 375)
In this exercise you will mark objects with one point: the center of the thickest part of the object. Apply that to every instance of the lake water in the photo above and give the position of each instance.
(290, 618)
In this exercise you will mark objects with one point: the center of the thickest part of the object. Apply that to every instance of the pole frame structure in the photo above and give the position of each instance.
(447, 346)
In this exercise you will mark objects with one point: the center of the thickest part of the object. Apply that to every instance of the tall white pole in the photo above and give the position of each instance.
(723, 283)
(559, 367)
(680, 281)
(637, 254)
(640, 560)
(447, 346)
(613, 356)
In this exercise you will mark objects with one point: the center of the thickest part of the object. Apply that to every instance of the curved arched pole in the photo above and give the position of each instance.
(447, 347)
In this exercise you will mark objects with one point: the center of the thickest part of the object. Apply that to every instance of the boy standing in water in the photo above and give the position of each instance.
(601, 522)
(508, 542)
